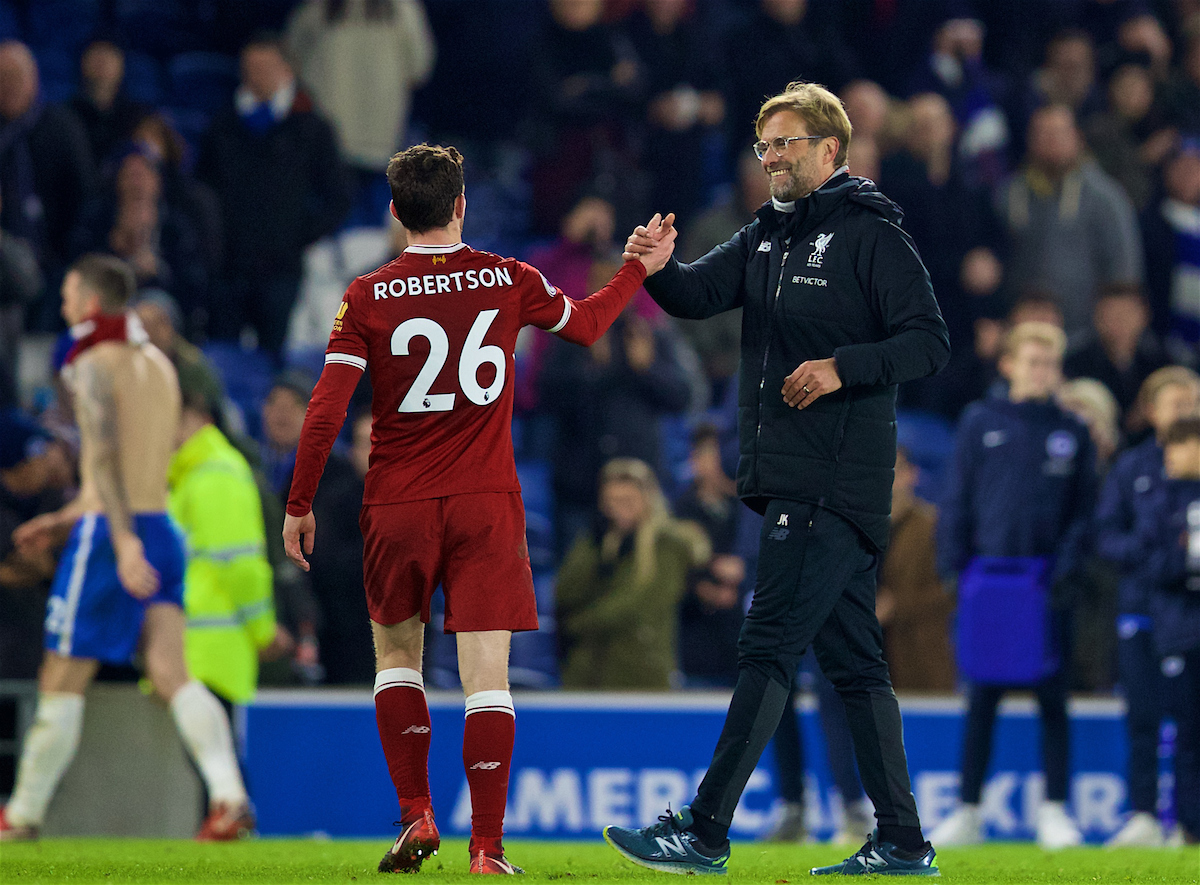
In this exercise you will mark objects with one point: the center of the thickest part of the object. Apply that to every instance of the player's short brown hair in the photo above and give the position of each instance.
(425, 180)
(821, 111)
(109, 277)
(1046, 334)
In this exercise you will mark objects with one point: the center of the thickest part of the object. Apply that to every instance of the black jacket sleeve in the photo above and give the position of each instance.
(891, 274)
(708, 286)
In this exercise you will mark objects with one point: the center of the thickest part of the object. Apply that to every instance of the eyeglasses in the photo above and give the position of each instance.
(780, 145)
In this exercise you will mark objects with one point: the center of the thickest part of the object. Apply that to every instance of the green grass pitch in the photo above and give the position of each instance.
(301, 861)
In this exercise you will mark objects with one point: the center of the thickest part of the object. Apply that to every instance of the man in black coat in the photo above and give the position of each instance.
(274, 164)
(838, 310)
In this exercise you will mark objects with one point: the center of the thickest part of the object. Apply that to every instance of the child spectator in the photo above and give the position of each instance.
(1018, 504)
(1128, 493)
(1170, 535)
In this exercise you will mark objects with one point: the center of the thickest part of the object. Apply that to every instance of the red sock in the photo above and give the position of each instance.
(487, 757)
(403, 719)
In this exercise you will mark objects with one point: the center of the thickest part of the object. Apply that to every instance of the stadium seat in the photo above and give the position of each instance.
(10, 23)
(62, 24)
(202, 81)
(144, 78)
(539, 512)
(159, 27)
(247, 376)
(929, 440)
(57, 73)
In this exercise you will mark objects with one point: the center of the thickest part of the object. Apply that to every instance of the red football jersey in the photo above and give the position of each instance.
(436, 329)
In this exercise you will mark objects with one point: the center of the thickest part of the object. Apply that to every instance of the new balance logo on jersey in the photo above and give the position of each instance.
(671, 846)
(764, 246)
(820, 244)
(485, 766)
(416, 729)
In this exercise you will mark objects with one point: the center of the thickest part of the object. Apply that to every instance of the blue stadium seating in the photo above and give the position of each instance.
(159, 27)
(202, 81)
(10, 22)
(144, 78)
(58, 72)
(929, 440)
(62, 24)
(247, 375)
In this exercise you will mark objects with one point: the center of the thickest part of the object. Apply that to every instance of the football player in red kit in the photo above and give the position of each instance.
(436, 328)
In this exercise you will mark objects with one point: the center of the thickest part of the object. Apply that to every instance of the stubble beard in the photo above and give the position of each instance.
(795, 185)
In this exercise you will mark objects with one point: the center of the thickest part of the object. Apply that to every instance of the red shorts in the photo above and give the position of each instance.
(473, 545)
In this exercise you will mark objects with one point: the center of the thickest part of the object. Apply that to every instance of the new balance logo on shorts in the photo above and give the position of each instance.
(485, 766)
(416, 729)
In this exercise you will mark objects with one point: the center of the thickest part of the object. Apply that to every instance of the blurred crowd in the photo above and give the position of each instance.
(1048, 163)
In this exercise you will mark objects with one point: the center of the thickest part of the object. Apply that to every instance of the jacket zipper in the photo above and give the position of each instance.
(762, 378)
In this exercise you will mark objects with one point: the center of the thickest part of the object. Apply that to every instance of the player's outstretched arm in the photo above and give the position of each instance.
(585, 321)
(296, 528)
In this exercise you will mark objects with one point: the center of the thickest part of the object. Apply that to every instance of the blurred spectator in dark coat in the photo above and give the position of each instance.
(913, 609)
(108, 115)
(1172, 241)
(1071, 228)
(20, 285)
(607, 401)
(1121, 352)
(46, 169)
(35, 471)
(953, 225)
(282, 418)
(1181, 99)
(1068, 76)
(274, 164)
(131, 217)
(1129, 138)
(711, 498)
(710, 619)
(872, 113)
(685, 106)
(586, 98)
(787, 45)
(158, 138)
(336, 575)
(956, 71)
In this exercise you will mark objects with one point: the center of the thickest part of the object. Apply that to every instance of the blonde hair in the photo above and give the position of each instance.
(821, 111)
(657, 520)
(1165, 377)
(1034, 332)
(1094, 403)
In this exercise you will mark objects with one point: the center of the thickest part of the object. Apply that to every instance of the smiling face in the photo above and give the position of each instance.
(804, 166)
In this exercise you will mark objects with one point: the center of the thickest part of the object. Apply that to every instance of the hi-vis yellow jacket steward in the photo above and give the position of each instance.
(227, 585)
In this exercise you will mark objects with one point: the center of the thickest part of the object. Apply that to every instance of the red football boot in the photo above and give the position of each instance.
(418, 840)
(482, 862)
(10, 832)
(227, 823)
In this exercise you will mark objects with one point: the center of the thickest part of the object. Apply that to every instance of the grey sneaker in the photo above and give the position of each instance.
(667, 846)
(884, 859)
